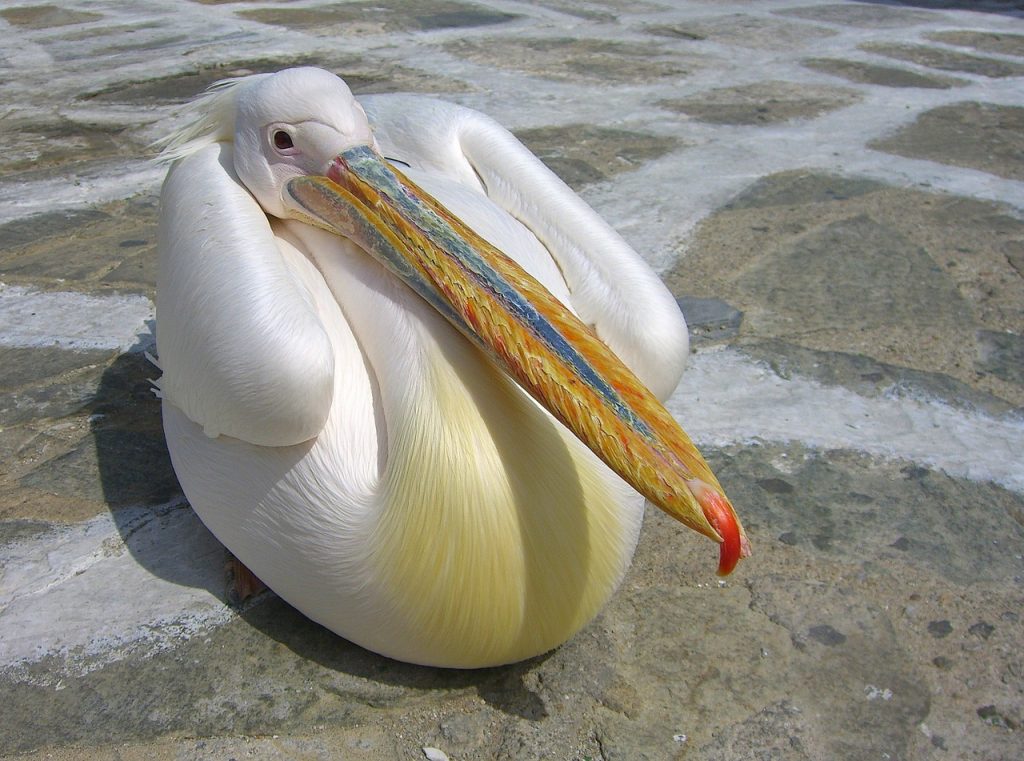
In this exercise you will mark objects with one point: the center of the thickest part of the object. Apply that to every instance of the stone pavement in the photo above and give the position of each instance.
(835, 192)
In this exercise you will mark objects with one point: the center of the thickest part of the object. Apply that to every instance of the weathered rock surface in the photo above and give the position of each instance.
(832, 191)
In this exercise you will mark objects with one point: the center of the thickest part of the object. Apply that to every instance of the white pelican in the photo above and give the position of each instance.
(333, 426)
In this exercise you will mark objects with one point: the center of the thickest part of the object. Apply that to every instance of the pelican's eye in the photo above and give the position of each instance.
(282, 140)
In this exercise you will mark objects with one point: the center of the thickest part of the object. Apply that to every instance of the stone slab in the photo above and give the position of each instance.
(381, 16)
(873, 379)
(984, 42)
(863, 15)
(569, 59)
(945, 59)
(851, 265)
(46, 382)
(763, 103)
(759, 32)
(709, 320)
(885, 76)
(996, 145)
(49, 144)
(581, 154)
(114, 244)
(1001, 354)
(46, 16)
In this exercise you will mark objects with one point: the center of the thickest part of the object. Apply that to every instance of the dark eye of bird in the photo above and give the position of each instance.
(282, 140)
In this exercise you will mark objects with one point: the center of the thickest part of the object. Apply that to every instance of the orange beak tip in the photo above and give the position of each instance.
(722, 517)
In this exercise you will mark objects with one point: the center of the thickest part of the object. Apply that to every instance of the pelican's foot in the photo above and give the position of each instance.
(242, 583)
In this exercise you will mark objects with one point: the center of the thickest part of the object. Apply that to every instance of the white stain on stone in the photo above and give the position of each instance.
(30, 318)
(877, 693)
(91, 187)
(726, 398)
(107, 589)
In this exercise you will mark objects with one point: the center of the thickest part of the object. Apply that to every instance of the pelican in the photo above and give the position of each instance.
(409, 378)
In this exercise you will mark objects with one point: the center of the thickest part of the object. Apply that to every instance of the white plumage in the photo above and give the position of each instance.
(344, 441)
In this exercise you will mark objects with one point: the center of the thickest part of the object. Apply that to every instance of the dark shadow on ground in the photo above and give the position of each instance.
(502, 687)
(138, 482)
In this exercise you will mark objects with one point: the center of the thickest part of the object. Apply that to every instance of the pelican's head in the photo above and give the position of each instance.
(291, 124)
(304, 149)
(283, 125)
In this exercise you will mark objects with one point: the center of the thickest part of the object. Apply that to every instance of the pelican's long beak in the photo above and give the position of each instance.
(526, 331)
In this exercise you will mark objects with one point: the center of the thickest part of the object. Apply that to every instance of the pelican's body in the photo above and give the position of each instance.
(352, 448)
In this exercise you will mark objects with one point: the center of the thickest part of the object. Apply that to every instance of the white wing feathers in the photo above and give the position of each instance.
(243, 351)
